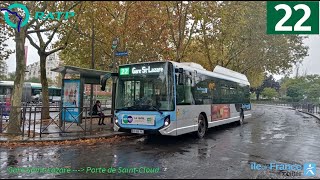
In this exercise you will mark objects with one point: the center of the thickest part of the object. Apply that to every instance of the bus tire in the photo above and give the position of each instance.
(202, 126)
(241, 120)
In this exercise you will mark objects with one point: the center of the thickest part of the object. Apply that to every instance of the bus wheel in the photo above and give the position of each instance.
(202, 126)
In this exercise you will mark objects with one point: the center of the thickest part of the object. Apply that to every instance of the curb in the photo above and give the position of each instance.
(310, 114)
(71, 138)
(287, 107)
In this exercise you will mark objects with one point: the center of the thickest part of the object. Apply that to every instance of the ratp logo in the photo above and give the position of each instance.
(38, 15)
(127, 119)
(309, 169)
(20, 24)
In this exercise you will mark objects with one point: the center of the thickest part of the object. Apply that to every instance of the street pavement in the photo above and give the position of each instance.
(273, 135)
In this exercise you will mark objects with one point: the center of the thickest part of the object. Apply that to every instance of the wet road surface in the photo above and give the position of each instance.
(273, 134)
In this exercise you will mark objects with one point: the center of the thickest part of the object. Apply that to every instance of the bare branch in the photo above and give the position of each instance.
(114, 17)
(32, 42)
(40, 30)
(55, 50)
(67, 40)
(41, 10)
(52, 35)
(171, 27)
(40, 38)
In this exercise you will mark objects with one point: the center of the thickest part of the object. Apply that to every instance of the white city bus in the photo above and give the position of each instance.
(173, 98)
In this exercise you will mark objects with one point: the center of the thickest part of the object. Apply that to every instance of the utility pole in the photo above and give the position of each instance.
(115, 42)
(92, 59)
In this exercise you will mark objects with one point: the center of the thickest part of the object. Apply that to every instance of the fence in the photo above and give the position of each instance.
(303, 106)
(32, 124)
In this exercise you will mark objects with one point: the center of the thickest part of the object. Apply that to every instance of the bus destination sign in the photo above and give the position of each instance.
(135, 70)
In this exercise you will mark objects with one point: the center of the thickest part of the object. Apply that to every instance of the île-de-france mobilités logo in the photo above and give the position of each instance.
(38, 15)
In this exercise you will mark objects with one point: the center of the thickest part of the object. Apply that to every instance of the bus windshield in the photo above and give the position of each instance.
(145, 87)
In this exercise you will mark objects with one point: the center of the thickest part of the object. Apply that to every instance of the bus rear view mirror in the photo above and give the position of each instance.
(180, 79)
(179, 70)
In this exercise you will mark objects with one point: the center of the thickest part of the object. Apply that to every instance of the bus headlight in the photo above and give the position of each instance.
(167, 121)
(116, 119)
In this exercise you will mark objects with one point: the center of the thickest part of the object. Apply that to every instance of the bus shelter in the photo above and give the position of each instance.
(72, 90)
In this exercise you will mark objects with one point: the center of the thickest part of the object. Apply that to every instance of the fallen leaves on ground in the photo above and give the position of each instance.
(91, 141)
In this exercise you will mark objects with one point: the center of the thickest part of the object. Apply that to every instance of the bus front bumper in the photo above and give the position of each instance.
(162, 131)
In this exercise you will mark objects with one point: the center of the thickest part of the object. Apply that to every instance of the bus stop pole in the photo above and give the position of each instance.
(92, 63)
(113, 96)
(114, 46)
(63, 74)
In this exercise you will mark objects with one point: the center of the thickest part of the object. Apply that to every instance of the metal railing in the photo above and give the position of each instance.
(32, 124)
(303, 106)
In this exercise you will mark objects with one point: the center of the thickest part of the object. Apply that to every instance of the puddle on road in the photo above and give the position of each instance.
(278, 128)
(280, 136)
(225, 159)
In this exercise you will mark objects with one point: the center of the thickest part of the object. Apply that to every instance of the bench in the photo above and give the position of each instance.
(96, 116)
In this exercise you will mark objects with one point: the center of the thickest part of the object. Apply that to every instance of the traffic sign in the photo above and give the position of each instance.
(124, 53)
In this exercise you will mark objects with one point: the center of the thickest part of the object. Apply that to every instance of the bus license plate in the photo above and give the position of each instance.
(137, 131)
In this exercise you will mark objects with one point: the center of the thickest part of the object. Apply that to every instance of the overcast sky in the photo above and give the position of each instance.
(311, 64)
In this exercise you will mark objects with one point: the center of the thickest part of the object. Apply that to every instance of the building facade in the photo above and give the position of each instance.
(4, 70)
(33, 70)
(97, 90)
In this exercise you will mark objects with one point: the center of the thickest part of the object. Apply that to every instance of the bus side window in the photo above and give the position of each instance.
(183, 93)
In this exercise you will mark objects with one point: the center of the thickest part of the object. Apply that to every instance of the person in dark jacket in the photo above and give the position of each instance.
(96, 110)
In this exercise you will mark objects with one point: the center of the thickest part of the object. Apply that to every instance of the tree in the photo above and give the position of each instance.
(20, 36)
(11, 76)
(4, 51)
(182, 24)
(268, 82)
(269, 93)
(231, 34)
(140, 26)
(313, 92)
(226, 33)
(50, 31)
(296, 92)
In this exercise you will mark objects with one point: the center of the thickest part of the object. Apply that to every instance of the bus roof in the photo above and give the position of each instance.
(218, 72)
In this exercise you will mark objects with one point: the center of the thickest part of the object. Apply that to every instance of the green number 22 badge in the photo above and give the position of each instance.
(292, 17)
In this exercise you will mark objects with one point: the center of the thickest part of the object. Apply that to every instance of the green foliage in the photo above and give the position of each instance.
(304, 87)
(253, 95)
(33, 80)
(268, 82)
(269, 93)
(11, 76)
(296, 92)
(313, 92)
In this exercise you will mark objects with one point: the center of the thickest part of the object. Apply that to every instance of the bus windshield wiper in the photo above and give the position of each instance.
(155, 108)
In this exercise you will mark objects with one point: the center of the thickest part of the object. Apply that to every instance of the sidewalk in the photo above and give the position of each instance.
(51, 132)
(316, 115)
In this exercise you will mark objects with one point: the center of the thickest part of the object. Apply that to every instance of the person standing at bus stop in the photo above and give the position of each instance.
(96, 110)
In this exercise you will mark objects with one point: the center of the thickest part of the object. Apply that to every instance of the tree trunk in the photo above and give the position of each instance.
(15, 111)
(45, 90)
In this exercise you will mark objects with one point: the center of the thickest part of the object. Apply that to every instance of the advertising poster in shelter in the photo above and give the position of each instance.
(71, 98)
